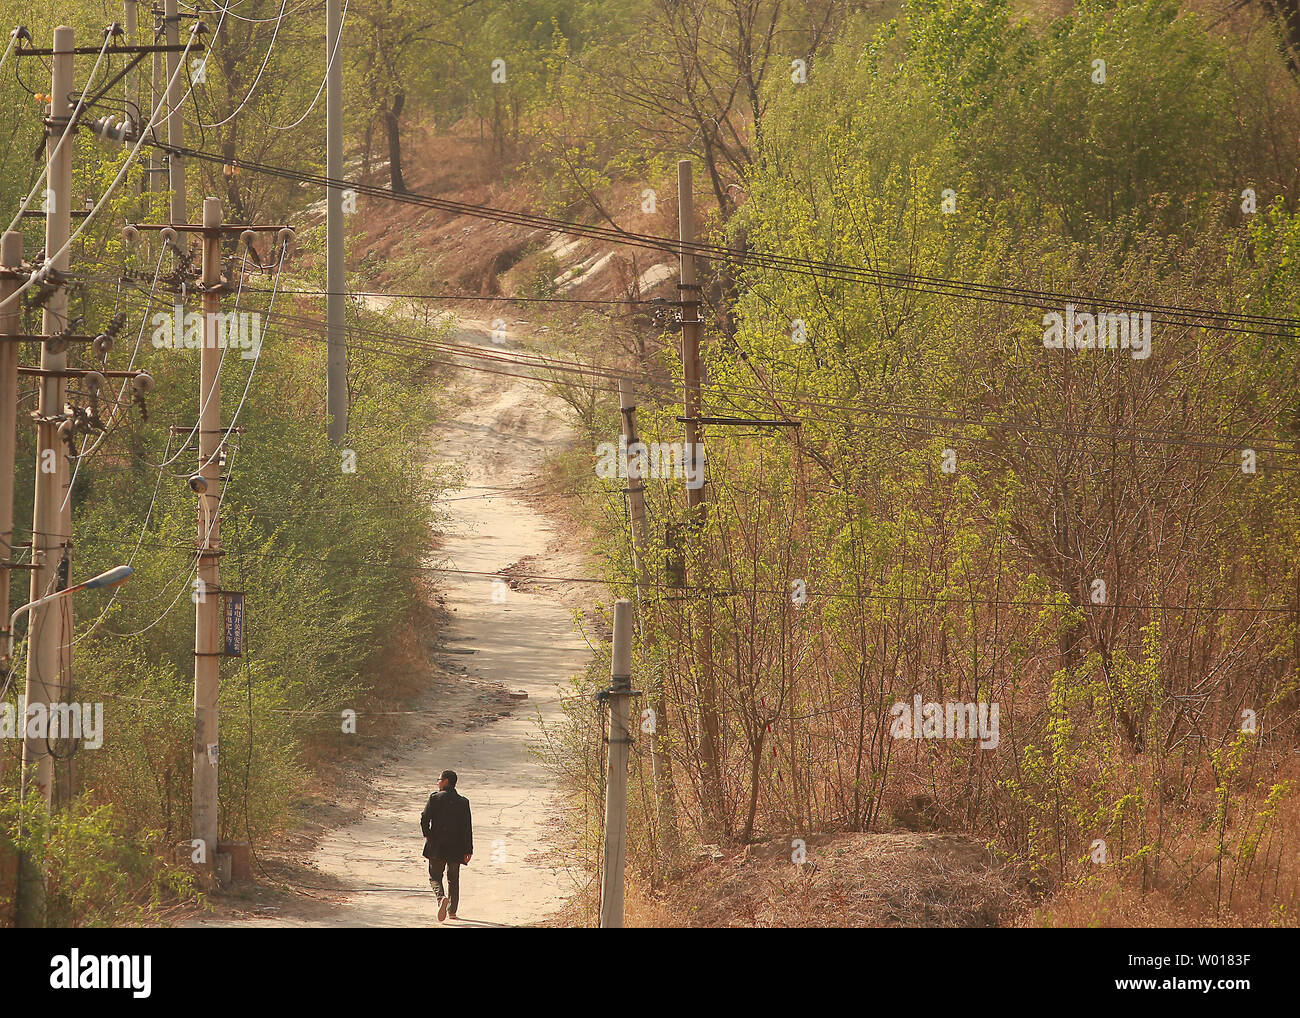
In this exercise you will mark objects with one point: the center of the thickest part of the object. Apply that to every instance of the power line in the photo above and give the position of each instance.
(919, 421)
(189, 571)
(498, 298)
(52, 256)
(118, 403)
(1226, 442)
(1157, 436)
(130, 561)
(253, 87)
(220, 365)
(257, 356)
(13, 41)
(338, 38)
(63, 138)
(934, 285)
(506, 575)
(945, 428)
(230, 10)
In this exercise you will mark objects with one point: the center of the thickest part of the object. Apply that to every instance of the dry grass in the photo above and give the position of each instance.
(1105, 903)
(848, 880)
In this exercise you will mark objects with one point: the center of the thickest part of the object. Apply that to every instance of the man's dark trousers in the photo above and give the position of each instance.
(453, 880)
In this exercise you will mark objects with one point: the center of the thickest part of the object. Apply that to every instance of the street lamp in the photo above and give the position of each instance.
(115, 577)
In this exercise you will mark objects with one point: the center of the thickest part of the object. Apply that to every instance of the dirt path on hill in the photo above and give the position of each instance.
(499, 432)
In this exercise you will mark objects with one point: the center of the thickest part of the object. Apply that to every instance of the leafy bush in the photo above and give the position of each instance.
(96, 873)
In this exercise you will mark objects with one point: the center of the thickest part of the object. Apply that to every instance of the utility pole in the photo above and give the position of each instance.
(635, 483)
(336, 379)
(11, 277)
(696, 507)
(207, 484)
(155, 154)
(660, 761)
(620, 739)
(51, 538)
(131, 106)
(175, 124)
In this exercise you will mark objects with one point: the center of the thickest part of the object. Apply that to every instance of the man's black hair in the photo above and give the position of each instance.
(450, 776)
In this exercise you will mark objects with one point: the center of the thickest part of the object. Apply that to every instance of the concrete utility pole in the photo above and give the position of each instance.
(206, 482)
(689, 291)
(635, 483)
(660, 761)
(175, 124)
(696, 507)
(11, 277)
(154, 173)
(620, 744)
(51, 530)
(208, 643)
(336, 378)
(130, 10)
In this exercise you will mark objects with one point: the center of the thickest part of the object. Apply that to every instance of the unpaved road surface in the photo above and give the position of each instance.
(500, 431)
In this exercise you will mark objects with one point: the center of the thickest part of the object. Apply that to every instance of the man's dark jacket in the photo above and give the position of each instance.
(446, 826)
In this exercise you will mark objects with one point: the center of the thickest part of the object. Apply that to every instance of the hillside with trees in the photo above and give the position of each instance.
(998, 327)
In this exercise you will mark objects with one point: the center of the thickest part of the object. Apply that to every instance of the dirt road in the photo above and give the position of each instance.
(499, 433)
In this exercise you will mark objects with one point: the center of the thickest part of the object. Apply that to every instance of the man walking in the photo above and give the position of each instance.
(448, 841)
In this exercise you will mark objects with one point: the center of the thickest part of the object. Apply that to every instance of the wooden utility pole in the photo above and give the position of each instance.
(696, 507)
(336, 378)
(11, 277)
(208, 643)
(660, 760)
(175, 123)
(620, 740)
(51, 530)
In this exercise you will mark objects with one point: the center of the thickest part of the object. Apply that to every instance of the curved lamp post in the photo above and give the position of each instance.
(115, 577)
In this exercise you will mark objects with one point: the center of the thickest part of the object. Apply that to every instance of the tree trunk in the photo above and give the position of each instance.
(662, 768)
(391, 124)
(755, 768)
(233, 201)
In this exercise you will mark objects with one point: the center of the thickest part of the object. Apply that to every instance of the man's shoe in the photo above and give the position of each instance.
(451, 915)
(442, 910)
